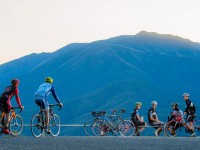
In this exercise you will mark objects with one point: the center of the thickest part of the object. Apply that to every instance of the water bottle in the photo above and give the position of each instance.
(142, 118)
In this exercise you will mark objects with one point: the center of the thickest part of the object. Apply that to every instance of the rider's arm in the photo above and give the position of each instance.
(151, 117)
(138, 117)
(54, 94)
(16, 93)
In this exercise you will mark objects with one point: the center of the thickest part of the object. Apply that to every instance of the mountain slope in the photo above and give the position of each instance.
(112, 73)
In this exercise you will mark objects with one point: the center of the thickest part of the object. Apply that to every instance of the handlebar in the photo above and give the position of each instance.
(123, 110)
(17, 107)
(52, 105)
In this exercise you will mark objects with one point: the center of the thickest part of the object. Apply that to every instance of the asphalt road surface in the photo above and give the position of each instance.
(99, 143)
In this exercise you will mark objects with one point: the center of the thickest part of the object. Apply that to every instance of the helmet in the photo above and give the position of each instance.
(49, 79)
(154, 103)
(175, 104)
(15, 81)
(186, 94)
(138, 103)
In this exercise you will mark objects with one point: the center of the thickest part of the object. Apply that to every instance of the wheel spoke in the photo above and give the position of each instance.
(54, 124)
(16, 125)
(36, 125)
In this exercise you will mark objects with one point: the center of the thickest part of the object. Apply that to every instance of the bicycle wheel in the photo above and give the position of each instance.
(172, 128)
(126, 128)
(36, 125)
(100, 128)
(16, 125)
(88, 127)
(54, 124)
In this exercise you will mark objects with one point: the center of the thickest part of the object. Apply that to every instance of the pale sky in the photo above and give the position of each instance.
(34, 26)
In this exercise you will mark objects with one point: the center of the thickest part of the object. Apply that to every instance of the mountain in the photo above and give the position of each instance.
(111, 73)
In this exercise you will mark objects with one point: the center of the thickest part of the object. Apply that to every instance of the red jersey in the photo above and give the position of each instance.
(11, 91)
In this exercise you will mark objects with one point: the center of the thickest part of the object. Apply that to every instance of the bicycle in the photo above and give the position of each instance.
(16, 121)
(89, 124)
(114, 124)
(38, 122)
(174, 127)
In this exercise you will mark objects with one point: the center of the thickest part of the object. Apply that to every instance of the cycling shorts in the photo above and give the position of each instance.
(138, 123)
(5, 105)
(155, 125)
(42, 104)
(190, 118)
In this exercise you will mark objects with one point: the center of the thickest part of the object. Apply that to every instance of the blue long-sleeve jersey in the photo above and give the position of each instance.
(44, 90)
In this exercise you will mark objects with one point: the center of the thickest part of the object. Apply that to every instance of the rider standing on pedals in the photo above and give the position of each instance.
(41, 99)
(153, 119)
(189, 110)
(5, 98)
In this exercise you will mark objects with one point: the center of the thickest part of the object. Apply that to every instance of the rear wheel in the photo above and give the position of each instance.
(16, 125)
(126, 128)
(173, 128)
(100, 128)
(36, 125)
(54, 124)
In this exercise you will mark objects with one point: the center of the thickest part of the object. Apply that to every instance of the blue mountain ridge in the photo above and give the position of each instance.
(111, 73)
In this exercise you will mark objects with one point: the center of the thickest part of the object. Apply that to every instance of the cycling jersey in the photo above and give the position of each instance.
(135, 120)
(6, 96)
(190, 108)
(134, 113)
(177, 115)
(42, 93)
(152, 113)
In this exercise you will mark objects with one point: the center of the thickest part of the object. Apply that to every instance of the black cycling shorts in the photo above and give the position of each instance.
(137, 123)
(155, 125)
(5, 105)
(190, 118)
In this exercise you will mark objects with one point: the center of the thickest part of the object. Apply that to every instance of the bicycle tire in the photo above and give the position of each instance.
(16, 125)
(126, 128)
(36, 125)
(170, 125)
(100, 128)
(54, 124)
(88, 127)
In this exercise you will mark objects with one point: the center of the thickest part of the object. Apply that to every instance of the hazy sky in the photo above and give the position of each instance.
(28, 26)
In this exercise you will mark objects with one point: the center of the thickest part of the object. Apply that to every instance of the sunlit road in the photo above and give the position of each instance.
(99, 143)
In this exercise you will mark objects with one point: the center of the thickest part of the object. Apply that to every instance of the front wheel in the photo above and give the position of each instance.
(54, 124)
(36, 125)
(172, 128)
(88, 127)
(16, 125)
(126, 128)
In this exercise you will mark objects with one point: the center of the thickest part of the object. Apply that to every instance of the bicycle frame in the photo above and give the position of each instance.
(110, 122)
(12, 114)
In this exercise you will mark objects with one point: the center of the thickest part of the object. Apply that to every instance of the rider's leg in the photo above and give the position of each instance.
(192, 126)
(46, 113)
(159, 130)
(142, 128)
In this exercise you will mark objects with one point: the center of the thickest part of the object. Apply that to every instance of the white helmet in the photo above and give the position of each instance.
(154, 103)
(186, 94)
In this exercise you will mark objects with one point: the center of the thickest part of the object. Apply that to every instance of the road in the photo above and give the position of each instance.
(99, 143)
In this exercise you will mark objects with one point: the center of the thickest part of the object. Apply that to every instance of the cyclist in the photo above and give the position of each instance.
(5, 102)
(177, 115)
(153, 119)
(137, 120)
(189, 110)
(41, 99)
